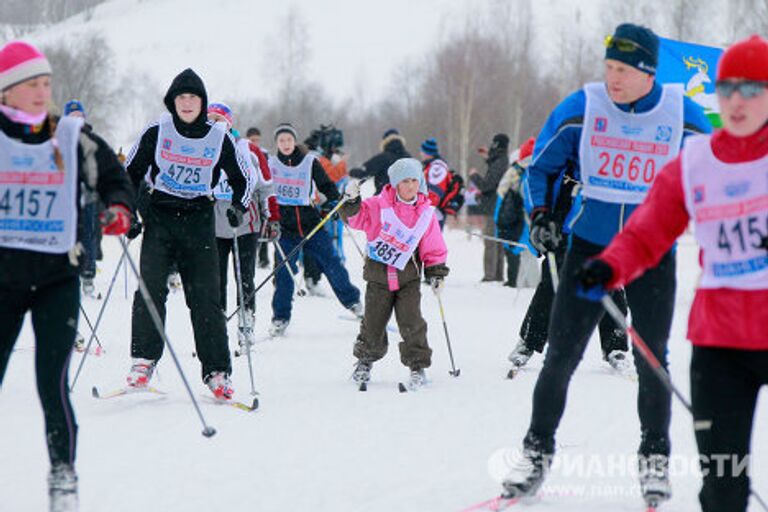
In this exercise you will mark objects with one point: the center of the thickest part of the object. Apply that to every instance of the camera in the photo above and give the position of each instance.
(328, 139)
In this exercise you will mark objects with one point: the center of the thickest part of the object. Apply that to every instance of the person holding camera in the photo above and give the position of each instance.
(325, 144)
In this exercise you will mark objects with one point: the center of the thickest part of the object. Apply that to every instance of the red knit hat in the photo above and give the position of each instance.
(747, 59)
(526, 149)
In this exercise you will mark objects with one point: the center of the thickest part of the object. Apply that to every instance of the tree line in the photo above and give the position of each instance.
(488, 73)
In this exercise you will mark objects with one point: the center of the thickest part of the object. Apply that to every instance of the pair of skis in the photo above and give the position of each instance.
(401, 387)
(149, 389)
(501, 503)
(628, 375)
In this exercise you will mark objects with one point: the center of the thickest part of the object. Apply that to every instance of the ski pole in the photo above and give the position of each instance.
(90, 326)
(454, 371)
(98, 322)
(125, 280)
(293, 251)
(241, 296)
(494, 238)
(552, 262)
(300, 291)
(613, 310)
(208, 431)
(354, 241)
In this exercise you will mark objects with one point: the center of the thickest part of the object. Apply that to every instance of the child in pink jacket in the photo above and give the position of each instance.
(403, 234)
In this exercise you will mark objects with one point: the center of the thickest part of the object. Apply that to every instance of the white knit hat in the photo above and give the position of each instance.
(405, 168)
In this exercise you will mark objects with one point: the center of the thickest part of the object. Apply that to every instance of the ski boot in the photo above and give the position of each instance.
(141, 372)
(618, 360)
(417, 380)
(313, 287)
(527, 469)
(245, 332)
(89, 289)
(62, 488)
(174, 281)
(79, 342)
(654, 479)
(357, 310)
(220, 385)
(362, 372)
(520, 354)
(278, 327)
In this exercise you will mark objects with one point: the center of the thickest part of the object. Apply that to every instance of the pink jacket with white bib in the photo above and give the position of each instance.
(431, 249)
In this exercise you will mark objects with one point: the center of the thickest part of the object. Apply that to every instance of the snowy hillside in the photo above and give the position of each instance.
(236, 45)
(316, 443)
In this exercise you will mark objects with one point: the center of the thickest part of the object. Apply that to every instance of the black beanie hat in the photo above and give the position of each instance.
(643, 55)
(391, 131)
(500, 140)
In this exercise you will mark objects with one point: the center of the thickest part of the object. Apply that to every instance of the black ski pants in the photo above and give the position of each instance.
(513, 268)
(187, 238)
(247, 245)
(651, 299)
(725, 384)
(55, 310)
(535, 325)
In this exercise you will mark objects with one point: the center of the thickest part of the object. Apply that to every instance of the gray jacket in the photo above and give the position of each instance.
(258, 210)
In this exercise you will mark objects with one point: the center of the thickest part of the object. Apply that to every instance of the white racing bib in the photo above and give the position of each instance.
(621, 153)
(222, 191)
(293, 185)
(38, 202)
(396, 241)
(186, 165)
(728, 204)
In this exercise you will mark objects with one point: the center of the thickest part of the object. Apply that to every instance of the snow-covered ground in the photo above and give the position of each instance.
(317, 444)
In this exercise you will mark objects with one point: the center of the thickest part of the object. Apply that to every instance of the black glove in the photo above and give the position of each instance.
(594, 272)
(235, 215)
(327, 207)
(440, 270)
(135, 229)
(545, 232)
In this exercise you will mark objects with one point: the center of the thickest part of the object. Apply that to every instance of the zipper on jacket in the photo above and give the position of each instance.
(621, 218)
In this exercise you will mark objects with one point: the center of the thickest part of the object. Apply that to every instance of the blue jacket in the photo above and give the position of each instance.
(557, 150)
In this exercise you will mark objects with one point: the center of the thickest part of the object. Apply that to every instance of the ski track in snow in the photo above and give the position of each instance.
(318, 444)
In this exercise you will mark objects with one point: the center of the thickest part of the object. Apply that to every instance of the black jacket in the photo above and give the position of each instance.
(300, 220)
(142, 155)
(511, 218)
(393, 149)
(498, 162)
(24, 270)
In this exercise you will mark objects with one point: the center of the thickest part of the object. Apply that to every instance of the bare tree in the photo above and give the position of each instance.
(43, 12)
(289, 54)
(83, 69)
(746, 17)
